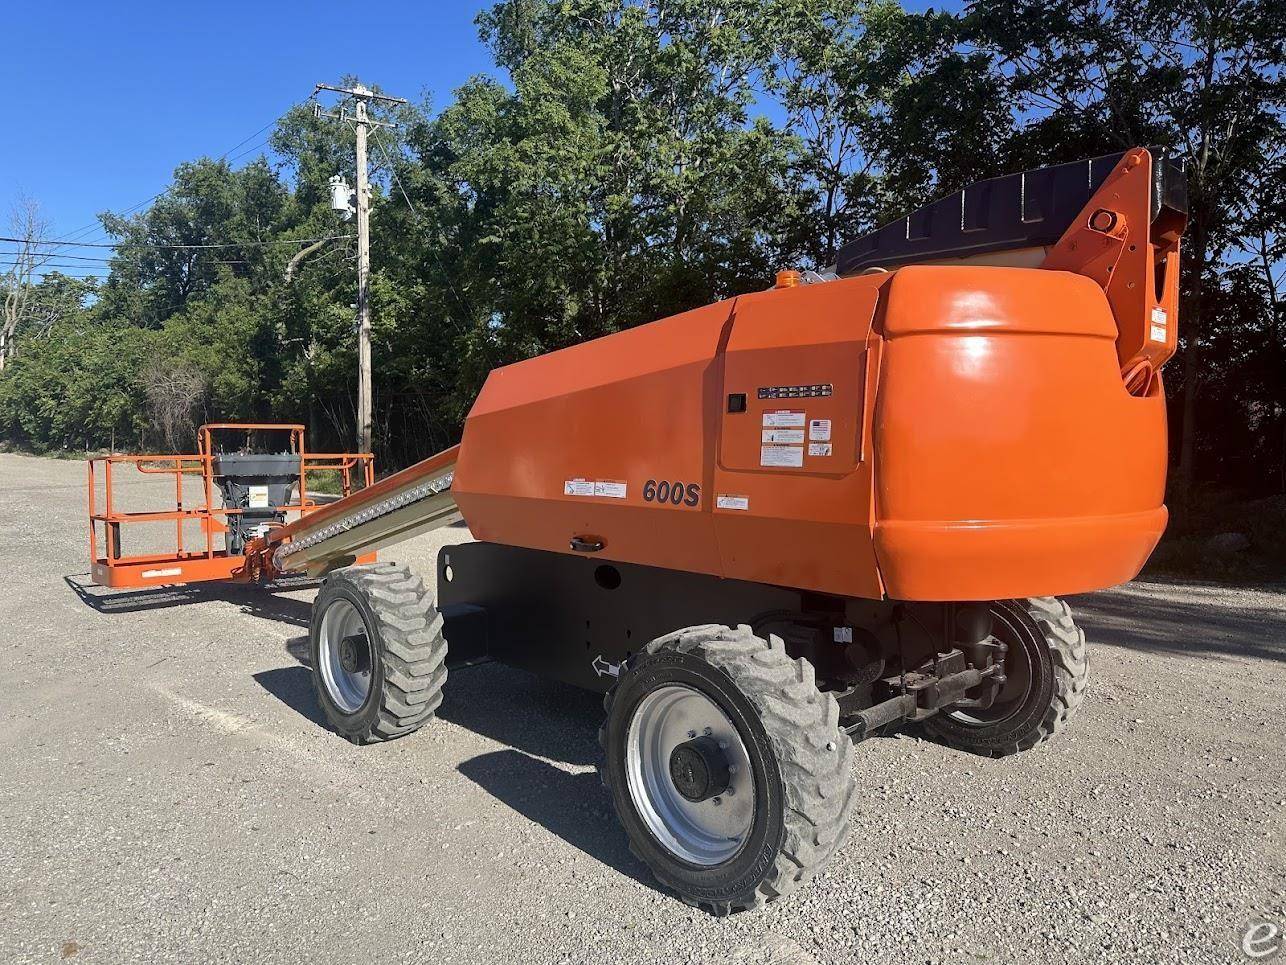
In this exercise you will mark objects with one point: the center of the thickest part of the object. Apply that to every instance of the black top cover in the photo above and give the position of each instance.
(1023, 210)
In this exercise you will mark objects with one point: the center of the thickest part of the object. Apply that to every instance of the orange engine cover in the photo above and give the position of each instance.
(938, 433)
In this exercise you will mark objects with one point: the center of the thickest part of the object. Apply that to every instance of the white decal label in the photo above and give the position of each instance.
(819, 448)
(1159, 323)
(843, 634)
(154, 574)
(258, 497)
(578, 487)
(784, 418)
(819, 430)
(780, 436)
(732, 502)
(611, 488)
(605, 668)
(792, 456)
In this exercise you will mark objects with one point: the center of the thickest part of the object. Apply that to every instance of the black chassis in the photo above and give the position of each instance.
(579, 619)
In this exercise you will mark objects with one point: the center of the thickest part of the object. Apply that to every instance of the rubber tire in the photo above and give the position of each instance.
(1059, 680)
(803, 780)
(405, 631)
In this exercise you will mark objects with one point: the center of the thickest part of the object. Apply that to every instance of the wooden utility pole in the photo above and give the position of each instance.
(360, 119)
(363, 286)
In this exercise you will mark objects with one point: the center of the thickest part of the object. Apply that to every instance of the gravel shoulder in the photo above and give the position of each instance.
(168, 793)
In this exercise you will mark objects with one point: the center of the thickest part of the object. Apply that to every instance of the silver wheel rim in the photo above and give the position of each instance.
(700, 832)
(348, 688)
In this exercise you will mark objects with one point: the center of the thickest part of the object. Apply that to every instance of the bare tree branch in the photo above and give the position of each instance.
(27, 223)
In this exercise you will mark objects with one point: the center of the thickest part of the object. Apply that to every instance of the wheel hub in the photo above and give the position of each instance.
(354, 655)
(699, 769)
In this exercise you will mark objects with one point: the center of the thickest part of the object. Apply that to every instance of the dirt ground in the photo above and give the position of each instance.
(168, 792)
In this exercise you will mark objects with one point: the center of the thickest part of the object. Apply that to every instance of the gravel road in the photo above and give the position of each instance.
(168, 793)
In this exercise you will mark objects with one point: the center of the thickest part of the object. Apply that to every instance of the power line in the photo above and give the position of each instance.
(90, 228)
(397, 180)
(103, 262)
(246, 151)
(415, 212)
(128, 244)
(55, 264)
(68, 272)
(102, 268)
(58, 255)
(256, 133)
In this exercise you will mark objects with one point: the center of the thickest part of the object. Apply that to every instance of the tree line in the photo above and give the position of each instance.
(628, 159)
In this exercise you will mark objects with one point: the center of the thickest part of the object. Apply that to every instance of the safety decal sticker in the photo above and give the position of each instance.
(258, 497)
(788, 456)
(612, 488)
(783, 436)
(605, 668)
(724, 501)
(1159, 322)
(784, 419)
(580, 486)
(819, 448)
(819, 430)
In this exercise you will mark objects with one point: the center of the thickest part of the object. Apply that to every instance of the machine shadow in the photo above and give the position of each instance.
(573, 806)
(1128, 620)
(533, 715)
(539, 717)
(260, 601)
(293, 686)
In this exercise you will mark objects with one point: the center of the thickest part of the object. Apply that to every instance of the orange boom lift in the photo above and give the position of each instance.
(773, 526)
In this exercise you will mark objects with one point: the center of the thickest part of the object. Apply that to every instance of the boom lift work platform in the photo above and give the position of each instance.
(248, 475)
(776, 525)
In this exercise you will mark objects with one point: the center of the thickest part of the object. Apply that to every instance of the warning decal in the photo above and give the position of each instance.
(784, 418)
(783, 436)
(732, 502)
(258, 497)
(1159, 322)
(819, 430)
(819, 448)
(610, 487)
(791, 456)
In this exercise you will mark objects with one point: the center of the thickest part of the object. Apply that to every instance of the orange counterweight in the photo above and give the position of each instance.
(937, 432)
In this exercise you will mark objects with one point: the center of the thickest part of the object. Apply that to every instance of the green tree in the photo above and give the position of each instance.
(1201, 77)
(629, 160)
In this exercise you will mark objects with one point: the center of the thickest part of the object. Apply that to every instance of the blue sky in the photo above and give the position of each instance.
(107, 99)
